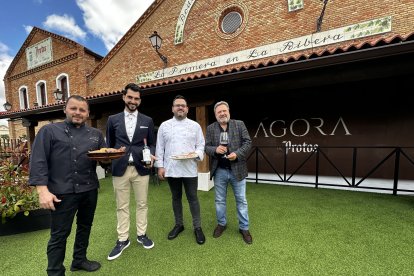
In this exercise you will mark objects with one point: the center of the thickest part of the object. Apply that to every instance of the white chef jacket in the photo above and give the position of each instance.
(177, 137)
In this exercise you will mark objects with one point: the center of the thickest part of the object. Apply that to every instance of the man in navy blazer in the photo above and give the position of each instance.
(132, 130)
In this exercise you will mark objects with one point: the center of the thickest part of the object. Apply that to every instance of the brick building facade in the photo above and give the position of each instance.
(31, 88)
(325, 77)
(264, 23)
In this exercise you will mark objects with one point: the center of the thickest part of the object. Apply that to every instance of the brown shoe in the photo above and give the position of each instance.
(219, 230)
(246, 236)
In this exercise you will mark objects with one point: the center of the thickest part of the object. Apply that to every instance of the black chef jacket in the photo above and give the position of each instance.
(58, 158)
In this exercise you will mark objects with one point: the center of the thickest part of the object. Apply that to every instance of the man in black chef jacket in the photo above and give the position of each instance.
(67, 184)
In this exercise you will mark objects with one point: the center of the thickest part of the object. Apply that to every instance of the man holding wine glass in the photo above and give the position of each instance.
(228, 143)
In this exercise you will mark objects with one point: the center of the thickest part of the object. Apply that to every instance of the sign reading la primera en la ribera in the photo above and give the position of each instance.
(355, 31)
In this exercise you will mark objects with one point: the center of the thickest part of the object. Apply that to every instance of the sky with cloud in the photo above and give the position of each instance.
(96, 24)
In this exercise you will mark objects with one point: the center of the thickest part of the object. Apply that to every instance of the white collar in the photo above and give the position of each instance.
(183, 120)
(135, 113)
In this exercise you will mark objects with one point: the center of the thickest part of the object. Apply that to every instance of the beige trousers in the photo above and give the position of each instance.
(122, 187)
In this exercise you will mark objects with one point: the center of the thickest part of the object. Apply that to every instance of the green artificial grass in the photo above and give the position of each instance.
(296, 231)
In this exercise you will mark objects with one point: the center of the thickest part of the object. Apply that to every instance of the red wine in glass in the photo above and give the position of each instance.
(224, 140)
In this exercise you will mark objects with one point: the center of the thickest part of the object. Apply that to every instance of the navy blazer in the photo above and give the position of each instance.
(116, 137)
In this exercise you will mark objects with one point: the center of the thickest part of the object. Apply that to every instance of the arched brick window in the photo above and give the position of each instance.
(24, 97)
(62, 83)
(41, 92)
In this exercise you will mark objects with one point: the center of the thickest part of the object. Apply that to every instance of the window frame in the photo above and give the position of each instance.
(39, 93)
(21, 99)
(59, 84)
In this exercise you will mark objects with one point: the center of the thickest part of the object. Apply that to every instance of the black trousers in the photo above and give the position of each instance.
(83, 205)
(190, 186)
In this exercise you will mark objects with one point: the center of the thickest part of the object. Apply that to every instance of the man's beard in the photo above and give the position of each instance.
(180, 117)
(129, 109)
(224, 120)
(76, 123)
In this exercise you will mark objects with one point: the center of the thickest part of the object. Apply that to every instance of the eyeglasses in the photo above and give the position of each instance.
(180, 105)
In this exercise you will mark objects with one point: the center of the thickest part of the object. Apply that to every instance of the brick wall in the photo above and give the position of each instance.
(267, 22)
(17, 130)
(68, 58)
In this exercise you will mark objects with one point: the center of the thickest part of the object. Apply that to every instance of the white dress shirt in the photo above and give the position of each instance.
(179, 137)
(130, 125)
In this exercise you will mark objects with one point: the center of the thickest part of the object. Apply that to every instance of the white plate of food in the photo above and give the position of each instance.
(106, 154)
(191, 155)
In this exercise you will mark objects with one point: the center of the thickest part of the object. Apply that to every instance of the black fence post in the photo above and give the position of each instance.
(257, 164)
(284, 163)
(396, 170)
(317, 168)
(354, 160)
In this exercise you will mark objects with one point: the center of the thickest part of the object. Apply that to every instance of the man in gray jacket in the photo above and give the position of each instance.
(228, 165)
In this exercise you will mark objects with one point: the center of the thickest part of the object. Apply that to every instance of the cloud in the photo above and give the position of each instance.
(3, 48)
(27, 28)
(65, 25)
(5, 60)
(110, 20)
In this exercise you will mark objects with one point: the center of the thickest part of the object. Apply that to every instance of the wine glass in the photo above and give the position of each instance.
(224, 140)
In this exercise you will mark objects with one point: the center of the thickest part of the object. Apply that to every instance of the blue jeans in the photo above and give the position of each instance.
(222, 178)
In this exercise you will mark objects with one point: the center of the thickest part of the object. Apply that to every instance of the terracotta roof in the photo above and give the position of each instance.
(32, 108)
(283, 59)
(58, 104)
(269, 62)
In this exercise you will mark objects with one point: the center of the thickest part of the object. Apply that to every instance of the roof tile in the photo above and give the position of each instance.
(299, 56)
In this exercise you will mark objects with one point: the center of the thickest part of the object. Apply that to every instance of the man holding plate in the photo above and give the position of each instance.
(67, 184)
(180, 144)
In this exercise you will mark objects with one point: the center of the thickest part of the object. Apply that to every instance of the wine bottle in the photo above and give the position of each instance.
(146, 153)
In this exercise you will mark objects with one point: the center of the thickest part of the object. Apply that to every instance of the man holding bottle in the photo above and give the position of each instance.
(135, 131)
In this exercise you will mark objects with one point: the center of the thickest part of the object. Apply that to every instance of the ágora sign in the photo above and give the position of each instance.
(39, 53)
(300, 127)
(360, 30)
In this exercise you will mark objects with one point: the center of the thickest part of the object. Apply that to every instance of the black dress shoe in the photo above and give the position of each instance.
(175, 231)
(86, 265)
(200, 238)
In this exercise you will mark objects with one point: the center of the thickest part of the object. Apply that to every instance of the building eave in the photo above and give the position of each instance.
(352, 55)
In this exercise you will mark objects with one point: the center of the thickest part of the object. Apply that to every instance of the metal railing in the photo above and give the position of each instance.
(352, 165)
(8, 146)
